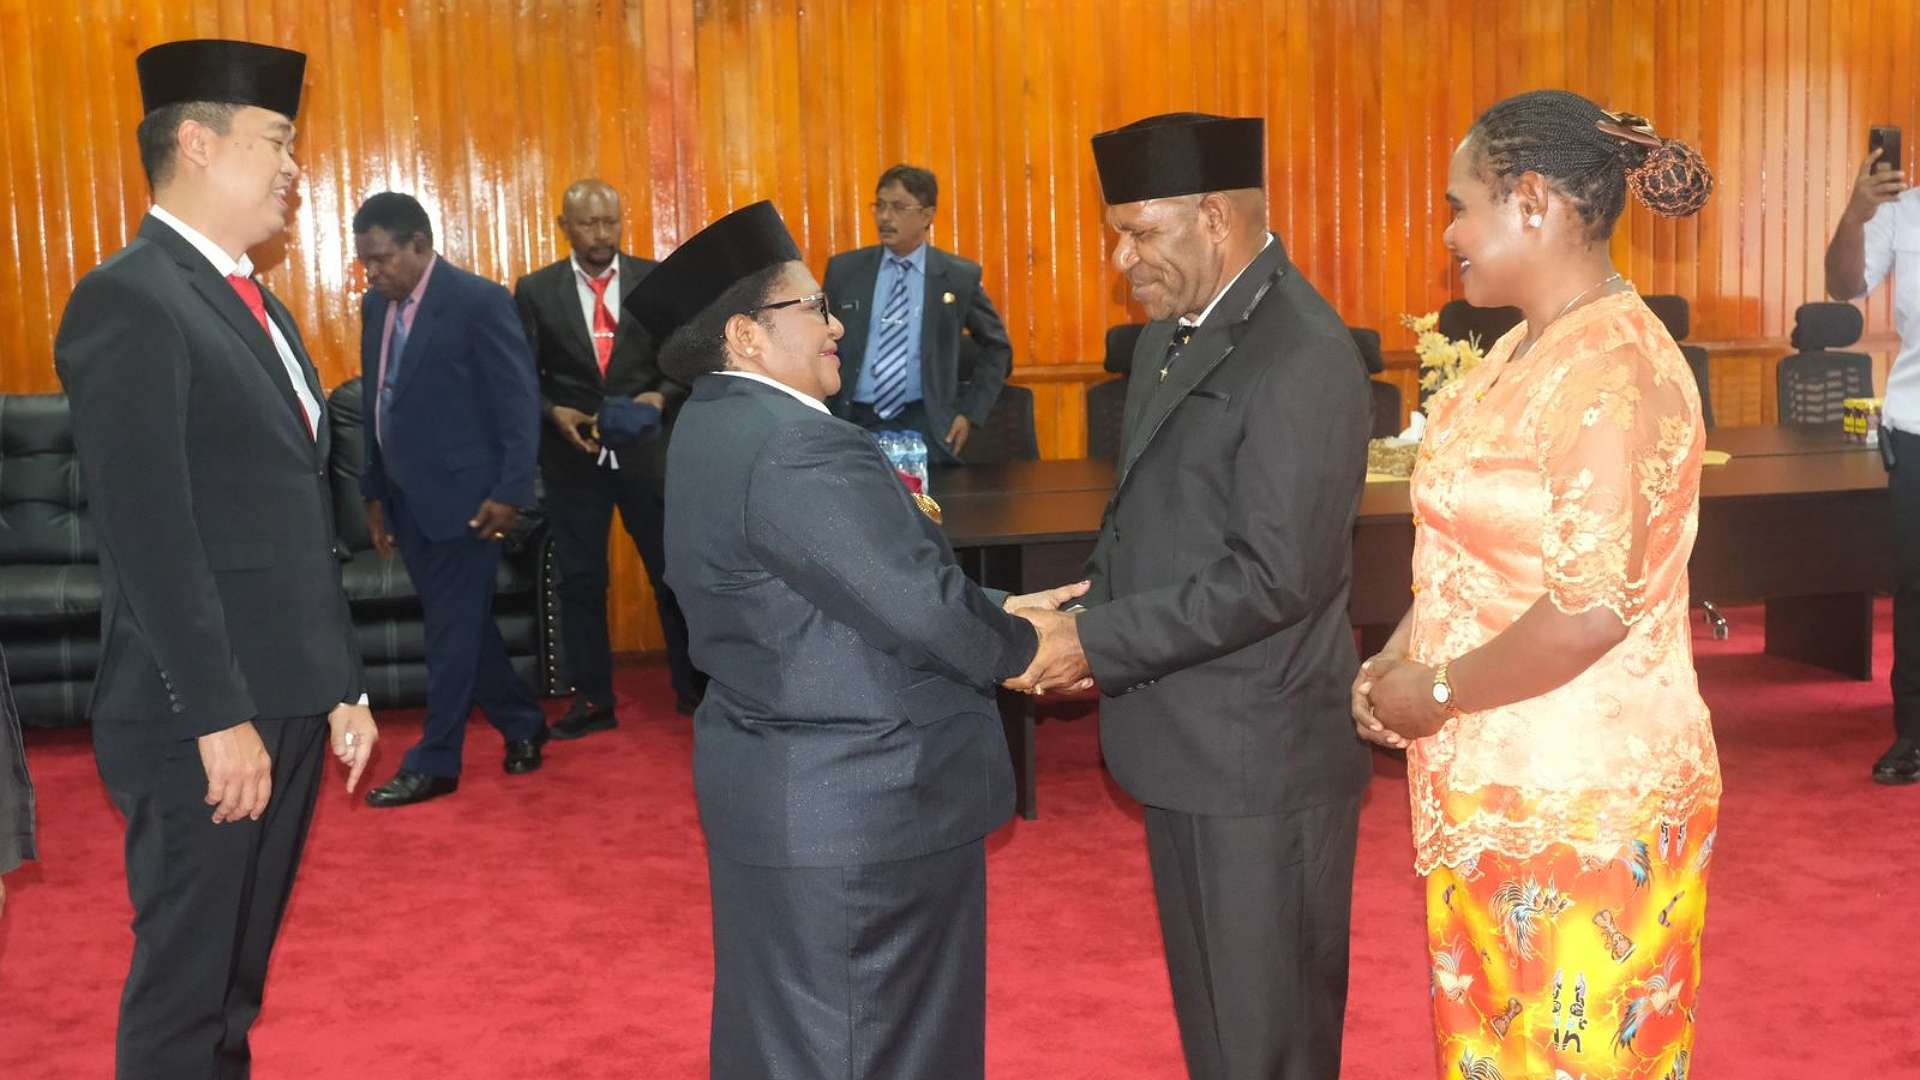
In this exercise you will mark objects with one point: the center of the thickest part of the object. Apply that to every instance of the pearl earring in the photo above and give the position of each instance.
(1534, 221)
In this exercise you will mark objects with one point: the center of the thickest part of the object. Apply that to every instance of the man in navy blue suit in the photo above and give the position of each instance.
(456, 425)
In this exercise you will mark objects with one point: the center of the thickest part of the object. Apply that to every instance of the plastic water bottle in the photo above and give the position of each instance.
(916, 459)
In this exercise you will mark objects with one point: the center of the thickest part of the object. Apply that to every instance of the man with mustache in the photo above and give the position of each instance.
(588, 351)
(915, 316)
(1217, 625)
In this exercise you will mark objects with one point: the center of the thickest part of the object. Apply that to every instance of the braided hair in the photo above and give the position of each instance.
(1592, 156)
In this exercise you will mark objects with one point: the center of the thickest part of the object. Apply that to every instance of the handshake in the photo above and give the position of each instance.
(1059, 663)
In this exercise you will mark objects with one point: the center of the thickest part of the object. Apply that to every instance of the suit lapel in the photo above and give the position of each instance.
(933, 299)
(566, 300)
(625, 325)
(322, 436)
(219, 294)
(866, 272)
(1210, 347)
(423, 324)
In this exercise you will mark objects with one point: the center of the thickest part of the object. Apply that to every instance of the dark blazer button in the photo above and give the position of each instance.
(179, 708)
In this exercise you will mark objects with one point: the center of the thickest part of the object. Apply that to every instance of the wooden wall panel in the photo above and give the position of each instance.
(486, 109)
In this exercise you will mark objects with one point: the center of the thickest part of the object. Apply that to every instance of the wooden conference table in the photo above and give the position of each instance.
(1798, 519)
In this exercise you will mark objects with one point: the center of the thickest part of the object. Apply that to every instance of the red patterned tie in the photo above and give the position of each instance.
(249, 291)
(603, 323)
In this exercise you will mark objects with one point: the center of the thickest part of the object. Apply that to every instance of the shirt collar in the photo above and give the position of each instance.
(226, 264)
(811, 402)
(917, 258)
(420, 287)
(612, 270)
(1184, 321)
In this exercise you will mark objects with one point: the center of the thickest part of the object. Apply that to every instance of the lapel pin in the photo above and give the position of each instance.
(946, 298)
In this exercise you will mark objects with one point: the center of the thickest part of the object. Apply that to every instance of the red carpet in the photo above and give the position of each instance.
(555, 925)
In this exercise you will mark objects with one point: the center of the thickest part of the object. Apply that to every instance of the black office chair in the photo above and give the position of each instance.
(1460, 320)
(1675, 314)
(1386, 396)
(1008, 434)
(1107, 401)
(1814, 383)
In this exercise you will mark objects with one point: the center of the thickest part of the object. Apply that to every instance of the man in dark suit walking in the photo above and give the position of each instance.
(587, 350)
(449, 467)
(1217, 624)
(905, 305)
(848, 758)
(227, 652)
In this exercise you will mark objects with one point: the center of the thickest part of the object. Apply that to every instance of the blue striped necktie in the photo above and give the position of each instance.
(890, 363)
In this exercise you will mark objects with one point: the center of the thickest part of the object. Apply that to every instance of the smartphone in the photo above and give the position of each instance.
(1886, 140)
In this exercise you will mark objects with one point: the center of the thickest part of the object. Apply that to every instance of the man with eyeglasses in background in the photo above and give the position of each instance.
(910, 310)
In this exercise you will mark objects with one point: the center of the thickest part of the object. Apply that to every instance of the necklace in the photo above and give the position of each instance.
(1527, 346)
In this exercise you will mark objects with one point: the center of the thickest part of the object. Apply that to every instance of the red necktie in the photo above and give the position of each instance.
(603, 324)
(249, 291)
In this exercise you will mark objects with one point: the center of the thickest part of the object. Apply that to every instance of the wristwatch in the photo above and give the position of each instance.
(1443, 691)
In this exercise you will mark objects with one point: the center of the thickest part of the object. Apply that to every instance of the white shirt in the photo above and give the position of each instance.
(227, 266)
(1215, 302)
(580, 276)
(812, 403)
(1893, 247)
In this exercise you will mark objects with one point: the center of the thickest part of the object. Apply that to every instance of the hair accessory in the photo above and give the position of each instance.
(1669, 177)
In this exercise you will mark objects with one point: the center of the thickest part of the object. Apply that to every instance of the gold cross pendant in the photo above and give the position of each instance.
(1163, 372)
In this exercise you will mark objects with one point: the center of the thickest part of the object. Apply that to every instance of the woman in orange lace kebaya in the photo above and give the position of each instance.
(1560, 759)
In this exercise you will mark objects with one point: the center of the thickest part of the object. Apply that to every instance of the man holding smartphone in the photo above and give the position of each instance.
(1879, 234)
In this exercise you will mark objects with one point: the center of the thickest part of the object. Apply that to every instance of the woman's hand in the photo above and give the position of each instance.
(1400, 692)
(1365, 723)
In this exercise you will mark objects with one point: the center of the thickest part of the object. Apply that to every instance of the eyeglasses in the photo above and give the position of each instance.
(818, 301)
(897, 208)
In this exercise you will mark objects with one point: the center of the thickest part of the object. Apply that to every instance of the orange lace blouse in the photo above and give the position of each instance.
(1572, 473)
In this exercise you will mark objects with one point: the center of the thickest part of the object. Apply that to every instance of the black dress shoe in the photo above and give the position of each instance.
(1900, 764)
(407, 788)
(584, 719)
(523, 755)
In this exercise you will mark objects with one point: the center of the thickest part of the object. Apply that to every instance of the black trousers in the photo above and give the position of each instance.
(873, 972)
(1254, 914)
(467, 662)
(913, 417)
(1903, 487)
(207, 901)
(580, 512)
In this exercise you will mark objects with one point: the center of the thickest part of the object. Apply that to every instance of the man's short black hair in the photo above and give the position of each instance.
(159, 133)
(919, 183)
(399, 214)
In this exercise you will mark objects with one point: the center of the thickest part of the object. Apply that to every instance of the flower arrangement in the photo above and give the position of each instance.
(1442, 359)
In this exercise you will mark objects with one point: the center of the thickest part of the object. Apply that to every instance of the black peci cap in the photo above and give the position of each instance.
(227, 72)
(701, 270)
(1180, 154)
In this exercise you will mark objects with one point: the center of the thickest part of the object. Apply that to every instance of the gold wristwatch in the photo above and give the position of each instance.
(1443, 691)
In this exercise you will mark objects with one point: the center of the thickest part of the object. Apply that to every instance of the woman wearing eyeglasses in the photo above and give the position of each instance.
(848, 757)
(1561, 762)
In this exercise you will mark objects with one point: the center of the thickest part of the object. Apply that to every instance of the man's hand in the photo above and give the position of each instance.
(957, 433)
(239, 773)
(493, 520)
(1400, 692)
(652, 397)
(1060, 663)
(571, 423)
(1048, 599)
(377, 528)
(1365, 723)
(1873, 188)
(354, 734)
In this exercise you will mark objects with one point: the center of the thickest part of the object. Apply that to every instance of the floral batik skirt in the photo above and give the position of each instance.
(1559, 967)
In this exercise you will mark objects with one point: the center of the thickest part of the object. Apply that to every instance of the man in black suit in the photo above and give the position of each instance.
(1217, 623)
(455, 418)
(848, 757)
(586, 349)
(227, 651)
(905, 304)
